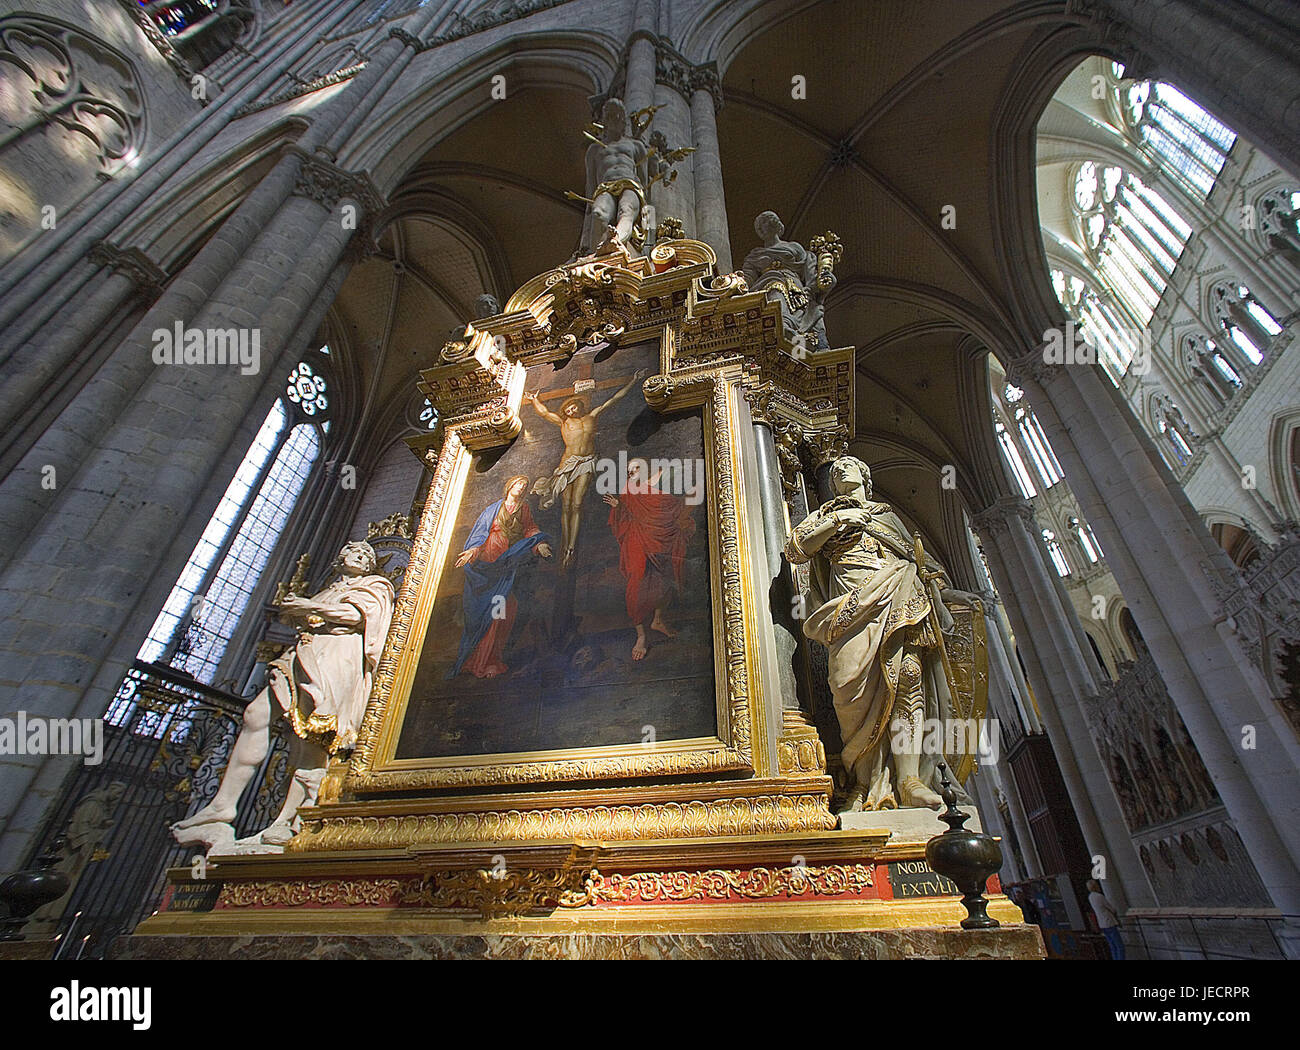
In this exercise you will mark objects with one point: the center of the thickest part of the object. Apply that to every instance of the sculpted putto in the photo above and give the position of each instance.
(880, 617)
(321, 684)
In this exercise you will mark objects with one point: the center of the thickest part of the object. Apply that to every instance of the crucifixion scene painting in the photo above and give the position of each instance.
(573, 607)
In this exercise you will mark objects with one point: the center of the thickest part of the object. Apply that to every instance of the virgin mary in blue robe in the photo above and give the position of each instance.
(502, 541)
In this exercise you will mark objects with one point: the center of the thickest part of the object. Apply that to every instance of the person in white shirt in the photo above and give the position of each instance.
(1107, 920)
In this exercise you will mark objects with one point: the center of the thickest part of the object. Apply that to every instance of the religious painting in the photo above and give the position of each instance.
(573, 606)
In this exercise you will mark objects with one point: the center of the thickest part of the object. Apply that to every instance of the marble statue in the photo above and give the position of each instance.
(321, 684)
(621, 168)
(881, 619)
(799, 279)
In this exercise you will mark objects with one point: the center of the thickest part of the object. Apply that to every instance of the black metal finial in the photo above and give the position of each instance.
(952, 816)
(25, 891)
(966, 857)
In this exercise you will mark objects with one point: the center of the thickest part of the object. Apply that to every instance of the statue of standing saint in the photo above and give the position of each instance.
(797, 278)
(880, 617)
(321, 684)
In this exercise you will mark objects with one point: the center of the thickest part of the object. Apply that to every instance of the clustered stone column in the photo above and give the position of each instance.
(1063, 676)
(1166, 564)
(137, 451)
(689, 97)
(1009, 695)
(710, 199)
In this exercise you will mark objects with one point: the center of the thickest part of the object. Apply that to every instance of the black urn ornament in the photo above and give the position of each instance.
(25, 891)
(966, 857)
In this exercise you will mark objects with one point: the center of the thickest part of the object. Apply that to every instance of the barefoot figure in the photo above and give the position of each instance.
(322, 684)
(572, 478)
(499, 544)
(652, 529)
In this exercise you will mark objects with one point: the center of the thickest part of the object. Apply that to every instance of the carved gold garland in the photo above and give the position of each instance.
(733, 816)
(717, 884)
(517, 891)
(293, 893)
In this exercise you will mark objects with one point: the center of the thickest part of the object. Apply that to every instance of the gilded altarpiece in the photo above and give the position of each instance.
(547, 710)
(532, 764)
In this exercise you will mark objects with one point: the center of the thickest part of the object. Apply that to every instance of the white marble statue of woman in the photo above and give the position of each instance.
(871, 608)
(788, 271)
(322, 685)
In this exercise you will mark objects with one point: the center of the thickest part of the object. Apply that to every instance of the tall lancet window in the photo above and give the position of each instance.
(1024, 444)
(200, 616)
(1082, 533)
(1054, 551)
(1179, 132)
(1249, 326)
(1116, 221)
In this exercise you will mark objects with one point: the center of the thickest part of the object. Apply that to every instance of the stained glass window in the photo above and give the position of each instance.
(211, 595)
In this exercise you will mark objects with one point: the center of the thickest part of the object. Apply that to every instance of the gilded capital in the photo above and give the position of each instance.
(827, 444)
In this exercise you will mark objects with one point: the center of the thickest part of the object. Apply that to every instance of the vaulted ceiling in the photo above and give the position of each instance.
(894, 135)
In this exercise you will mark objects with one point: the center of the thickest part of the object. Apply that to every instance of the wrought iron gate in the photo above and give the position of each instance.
(167, 739)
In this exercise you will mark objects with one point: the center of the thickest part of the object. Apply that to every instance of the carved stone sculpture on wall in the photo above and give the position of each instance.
(83, 838)
(73, 80)
(321, 685)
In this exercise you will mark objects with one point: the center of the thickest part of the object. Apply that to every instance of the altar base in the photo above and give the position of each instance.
(929, 942)
(837, 894)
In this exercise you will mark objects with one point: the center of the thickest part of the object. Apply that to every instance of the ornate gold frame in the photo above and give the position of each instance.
(717, 343)
(374, 768)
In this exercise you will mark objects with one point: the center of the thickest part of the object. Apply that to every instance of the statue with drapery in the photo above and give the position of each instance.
(797, 278)
(622, 166)
(321, 685)
(881, 616)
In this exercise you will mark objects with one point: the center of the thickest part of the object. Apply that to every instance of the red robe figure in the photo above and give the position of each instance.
(499, 544)
(652, 529)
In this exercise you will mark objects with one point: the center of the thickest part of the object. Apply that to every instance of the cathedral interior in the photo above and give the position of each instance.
(282, 278)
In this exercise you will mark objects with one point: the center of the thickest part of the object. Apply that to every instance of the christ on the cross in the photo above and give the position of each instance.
(571, 479)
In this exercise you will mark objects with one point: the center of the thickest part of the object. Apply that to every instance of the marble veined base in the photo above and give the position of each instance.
(905, 825)
(924, 942)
